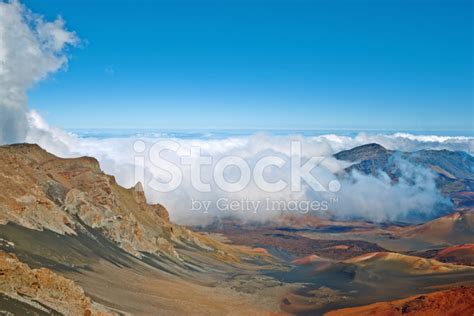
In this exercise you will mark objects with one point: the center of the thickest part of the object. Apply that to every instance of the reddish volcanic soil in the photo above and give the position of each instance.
(450, 250)
(460, 254)
(456, 302)
(306, 260)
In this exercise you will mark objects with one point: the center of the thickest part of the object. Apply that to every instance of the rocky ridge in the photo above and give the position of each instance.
(40, 191)
(44, 290)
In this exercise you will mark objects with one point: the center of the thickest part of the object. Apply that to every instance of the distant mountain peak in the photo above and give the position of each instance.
(454, 169)
(364, 152)
(372, 146)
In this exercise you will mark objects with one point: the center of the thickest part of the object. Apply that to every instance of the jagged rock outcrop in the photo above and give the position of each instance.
(41, 191)
(69, 216)
(43, 289)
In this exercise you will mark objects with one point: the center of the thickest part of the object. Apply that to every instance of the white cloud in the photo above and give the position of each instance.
(378, 198)
(374, 198)
(30, 49)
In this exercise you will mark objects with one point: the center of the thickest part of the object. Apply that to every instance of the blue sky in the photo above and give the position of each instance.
(263, 64)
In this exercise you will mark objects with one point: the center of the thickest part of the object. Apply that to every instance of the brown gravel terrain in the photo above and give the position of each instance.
(454, 302)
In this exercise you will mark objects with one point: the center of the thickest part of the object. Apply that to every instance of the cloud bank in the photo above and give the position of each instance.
(30, 49)
(376, 198)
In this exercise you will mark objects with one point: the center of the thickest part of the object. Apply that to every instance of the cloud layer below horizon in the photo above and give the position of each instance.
(374, 198)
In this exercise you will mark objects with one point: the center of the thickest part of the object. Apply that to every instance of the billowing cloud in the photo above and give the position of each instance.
(30, 49)
(377, 198)
(374, 198)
